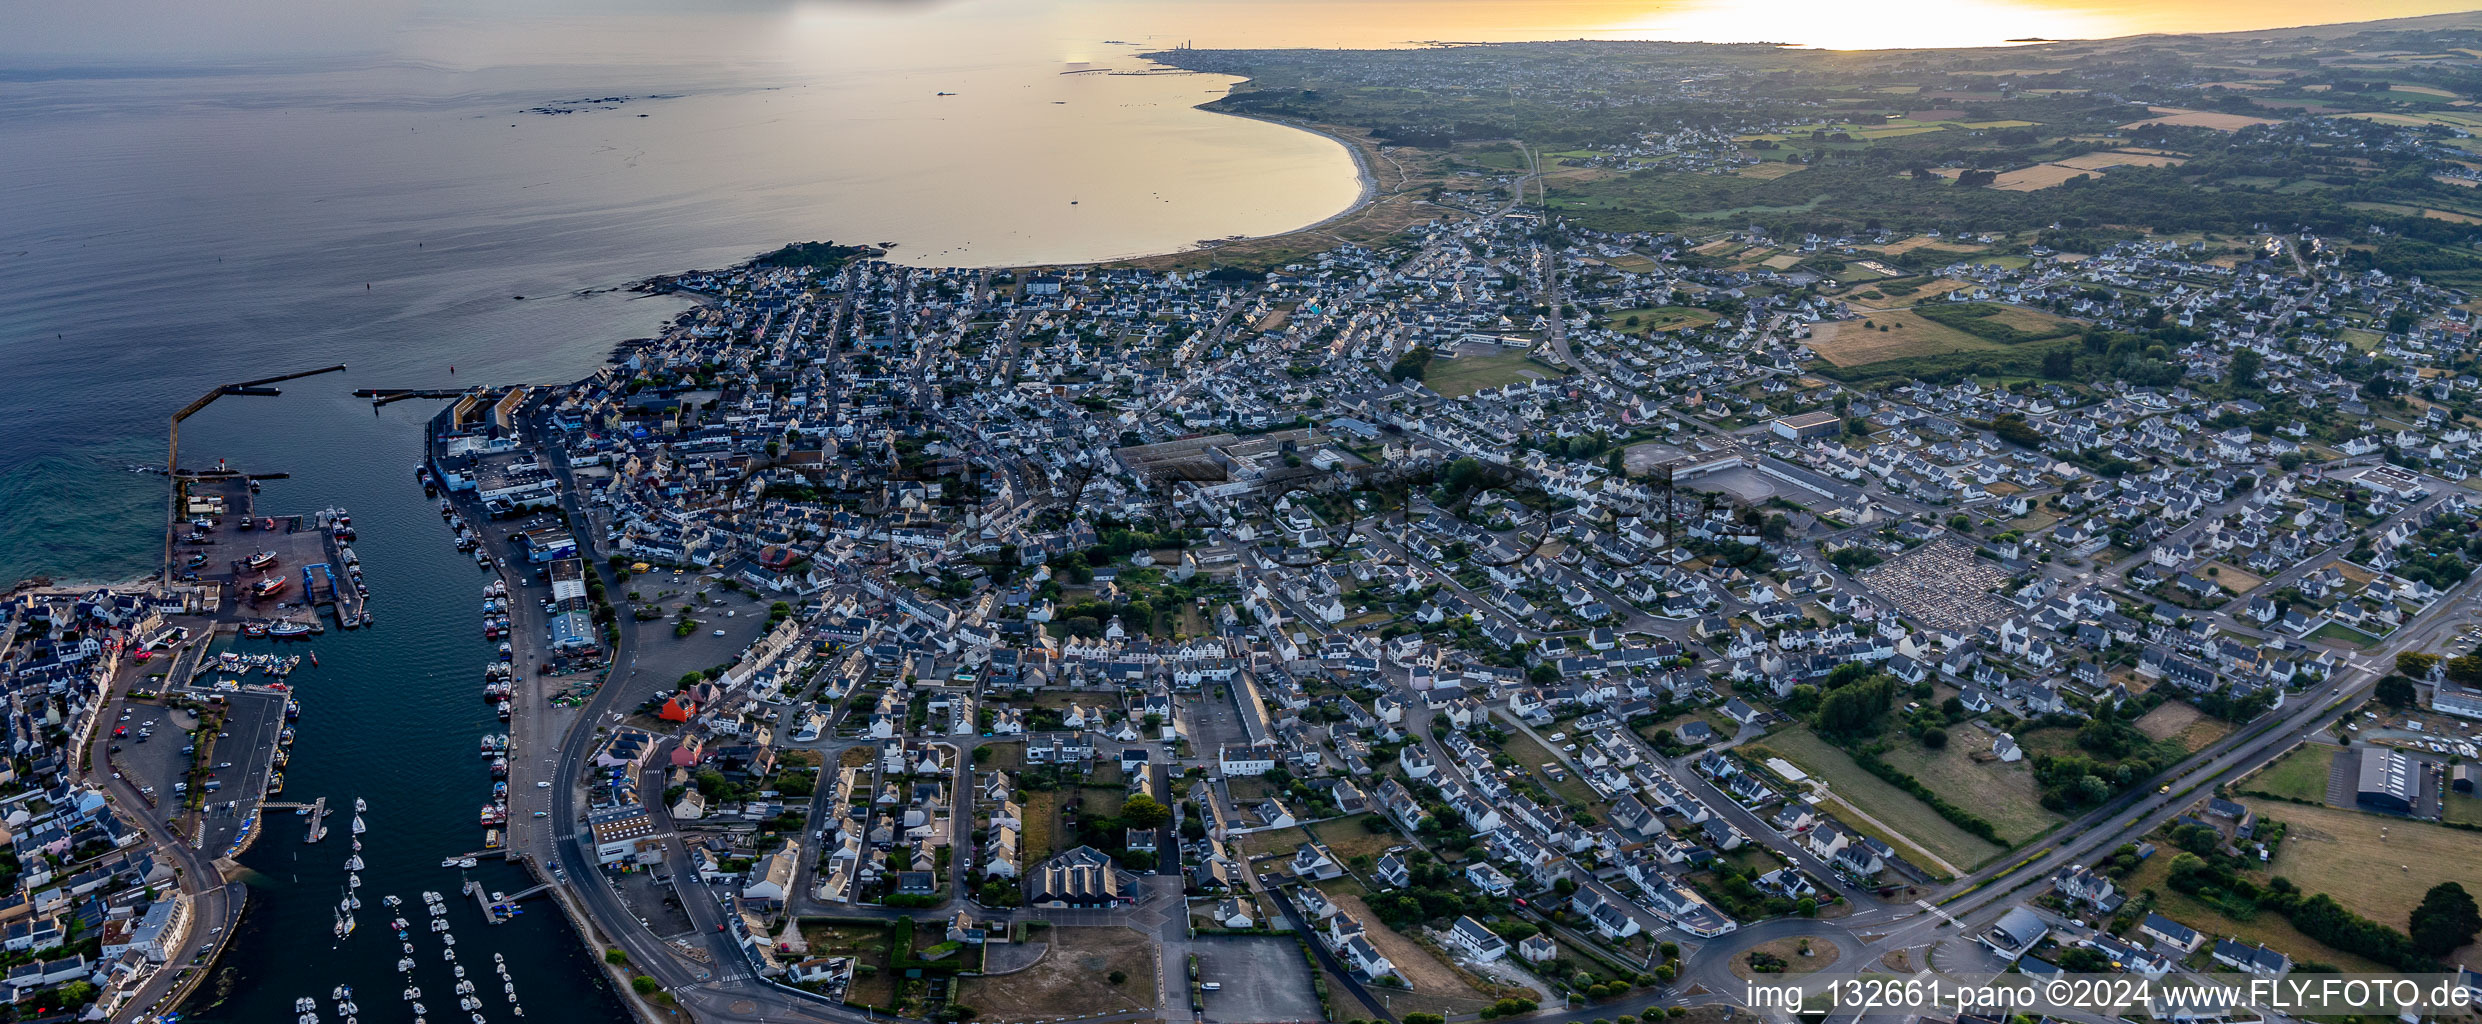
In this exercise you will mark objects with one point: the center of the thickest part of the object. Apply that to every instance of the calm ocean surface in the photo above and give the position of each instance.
(197, 194)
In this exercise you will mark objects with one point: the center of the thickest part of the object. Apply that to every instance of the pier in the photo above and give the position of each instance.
(500, 910)
(318, 817)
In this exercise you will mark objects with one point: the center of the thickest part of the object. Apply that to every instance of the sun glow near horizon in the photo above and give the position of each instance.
(1844, 25)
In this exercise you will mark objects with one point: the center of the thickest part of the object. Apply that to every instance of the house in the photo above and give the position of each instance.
(2078, 885)
(1230, 912)
(1489, 879)
(1311, 861)
(1082, 878)
(1394, 869)
(772, 875)
(1365, 957)
(2170, 932)
(1538, 948)
(2251, 959)
(1477, 941)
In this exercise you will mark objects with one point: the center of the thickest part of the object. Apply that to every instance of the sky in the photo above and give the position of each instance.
(149, 33)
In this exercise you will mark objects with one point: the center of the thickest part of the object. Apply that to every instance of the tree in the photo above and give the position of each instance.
(1855, 710)
(2415, 664)
(2197, 839)
(2466, 670)
(1808, 907)
(1117, 977)
(1960, 522)
(1425, 1018)
(1143, 812)
(2245, 366)
(643, 985)
(2445, 921)
(2395, 692)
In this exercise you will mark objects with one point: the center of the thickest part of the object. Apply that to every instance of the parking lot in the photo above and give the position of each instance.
(156, 763)
(1263, 978)
(655, 903)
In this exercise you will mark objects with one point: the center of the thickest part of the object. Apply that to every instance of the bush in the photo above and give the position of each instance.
(644, 985)
(615, 957)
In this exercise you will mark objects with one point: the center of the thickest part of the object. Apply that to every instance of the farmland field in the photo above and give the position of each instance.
(1916, 826)
(2199, 119)
(1771, 169)
(1849, 343)
(2039, 176)
(2341, 853)
(2003, 794)
(2119, 158)
(2300, 774)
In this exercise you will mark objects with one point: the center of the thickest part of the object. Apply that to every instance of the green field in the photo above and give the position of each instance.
(1917, 827)
(2267, 927)
(2298, 775)
(2007, 325)
(2003, 794)
(1658, 318)
(1468, 374)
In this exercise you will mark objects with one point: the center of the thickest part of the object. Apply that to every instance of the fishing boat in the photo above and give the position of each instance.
(254, 629)
(268, 587)
(262, 560)
(288, 629)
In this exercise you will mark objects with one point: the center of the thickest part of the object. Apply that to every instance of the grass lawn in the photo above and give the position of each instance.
(2182, 723)
(2337, 632)
(2235, 579)
(1348, 838)
(2340, 853)
(1903, 822)
(2463, 809)
(1248, 790)
(1280, 841)
(866, 944)
(1042, 807)
(2003, 794)
(1467, 374)
(2268, 928)
(2300, 774)
(1658, 318)
(1005, 757)
(1541, 764)
(1821, 954)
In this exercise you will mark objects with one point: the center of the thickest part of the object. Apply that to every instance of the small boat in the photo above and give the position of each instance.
(465, 862)
(254, 629)
(358, 827)
(314, 659)
(353, 863)
(359, 805)
(448, 862)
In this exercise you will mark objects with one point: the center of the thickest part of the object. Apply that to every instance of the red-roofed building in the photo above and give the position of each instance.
(677, 709)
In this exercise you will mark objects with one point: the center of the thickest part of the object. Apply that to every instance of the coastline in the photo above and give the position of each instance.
(1362, 170)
